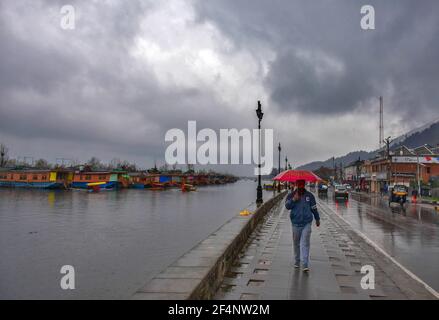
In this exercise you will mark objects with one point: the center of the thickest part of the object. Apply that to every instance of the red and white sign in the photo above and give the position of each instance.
(424, 160)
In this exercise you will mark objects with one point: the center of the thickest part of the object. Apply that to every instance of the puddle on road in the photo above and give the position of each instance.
(409, 234)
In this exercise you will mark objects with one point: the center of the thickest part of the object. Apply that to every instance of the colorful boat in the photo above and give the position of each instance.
(105, 180)
(35, 178)
(157, 186)
(268, 186)
(185, 187)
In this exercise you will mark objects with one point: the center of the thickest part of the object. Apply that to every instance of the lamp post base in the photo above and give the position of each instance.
(259, 199)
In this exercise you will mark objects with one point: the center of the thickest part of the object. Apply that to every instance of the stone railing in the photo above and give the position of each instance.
(199, 272)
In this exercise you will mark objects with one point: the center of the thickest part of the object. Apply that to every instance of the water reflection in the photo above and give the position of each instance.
(115, 240)
(409, 233)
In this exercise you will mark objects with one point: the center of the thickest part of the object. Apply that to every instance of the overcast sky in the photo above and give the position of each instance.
(131, 70)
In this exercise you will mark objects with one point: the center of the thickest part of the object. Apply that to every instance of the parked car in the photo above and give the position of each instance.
(341, 192)
(322, 189)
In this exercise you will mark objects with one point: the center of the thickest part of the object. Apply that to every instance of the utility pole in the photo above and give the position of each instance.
(381, 138)
(333, 170)
(389, 160)
(286, 163)
(341, 172)
(418, 175)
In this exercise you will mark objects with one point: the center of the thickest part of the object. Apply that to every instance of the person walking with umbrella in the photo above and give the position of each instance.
(303, 208)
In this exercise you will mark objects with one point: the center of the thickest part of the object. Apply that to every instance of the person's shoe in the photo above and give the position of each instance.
(296, 266)
(305, 269)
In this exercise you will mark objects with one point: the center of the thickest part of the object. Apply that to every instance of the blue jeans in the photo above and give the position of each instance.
(301, 244)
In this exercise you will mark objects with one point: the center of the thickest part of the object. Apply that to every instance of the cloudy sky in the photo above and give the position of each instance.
(131, 70)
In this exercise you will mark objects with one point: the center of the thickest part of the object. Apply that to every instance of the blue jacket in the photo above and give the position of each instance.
(303, 210)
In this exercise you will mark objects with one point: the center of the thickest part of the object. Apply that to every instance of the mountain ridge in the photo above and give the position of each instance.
(425, 134)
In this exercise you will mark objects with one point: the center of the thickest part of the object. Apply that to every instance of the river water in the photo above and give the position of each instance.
(116, 240)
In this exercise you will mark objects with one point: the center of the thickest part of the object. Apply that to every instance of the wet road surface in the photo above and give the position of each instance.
(409, 234)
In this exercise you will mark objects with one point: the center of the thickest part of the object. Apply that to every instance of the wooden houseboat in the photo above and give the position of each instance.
(36, 178)
(105, 179)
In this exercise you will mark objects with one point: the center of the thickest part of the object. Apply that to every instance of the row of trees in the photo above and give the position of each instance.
(94, 164)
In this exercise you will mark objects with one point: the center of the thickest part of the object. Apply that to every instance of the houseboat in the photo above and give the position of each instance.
(137, 180)
(142, 180)
(36, 178)
(176, 180)
(91, 179)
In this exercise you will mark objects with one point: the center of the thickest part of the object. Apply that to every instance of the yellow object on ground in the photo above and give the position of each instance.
(245, 212)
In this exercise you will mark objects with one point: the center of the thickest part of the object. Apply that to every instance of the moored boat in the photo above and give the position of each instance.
(185, 187)
(35, 178)
(105, 180)
(268, 186)
(157, 186)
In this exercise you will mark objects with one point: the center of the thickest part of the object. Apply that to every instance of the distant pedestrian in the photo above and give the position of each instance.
(303, 208)
(414, 195)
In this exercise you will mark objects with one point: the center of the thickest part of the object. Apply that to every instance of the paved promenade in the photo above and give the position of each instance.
(265, 271)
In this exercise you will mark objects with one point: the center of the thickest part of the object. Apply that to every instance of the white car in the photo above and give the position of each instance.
(341, 192)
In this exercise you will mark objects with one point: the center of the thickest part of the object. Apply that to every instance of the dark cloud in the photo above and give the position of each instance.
(397, 59)
(97, 91)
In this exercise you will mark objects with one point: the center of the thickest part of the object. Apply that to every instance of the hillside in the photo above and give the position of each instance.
(426, 134)
(350, 157)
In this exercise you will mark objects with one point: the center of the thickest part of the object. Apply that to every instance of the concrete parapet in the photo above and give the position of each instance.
(198, 273)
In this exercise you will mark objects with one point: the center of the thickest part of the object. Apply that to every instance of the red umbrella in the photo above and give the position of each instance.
(296, 175)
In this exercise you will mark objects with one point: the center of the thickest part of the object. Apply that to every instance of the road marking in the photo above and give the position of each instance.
(379, 249)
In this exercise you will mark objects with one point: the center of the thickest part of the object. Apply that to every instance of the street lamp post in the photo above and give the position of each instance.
(358, 175)
(278, 170)
(259, 114)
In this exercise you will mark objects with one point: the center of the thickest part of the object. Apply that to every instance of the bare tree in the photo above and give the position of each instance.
(11, 163)
(125, 165)
(3, 155)
(74, 163)
(42, 164)
(115, 163)
(94, 163)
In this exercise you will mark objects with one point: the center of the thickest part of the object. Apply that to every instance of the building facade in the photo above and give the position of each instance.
(402, 166)
(353, 173)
